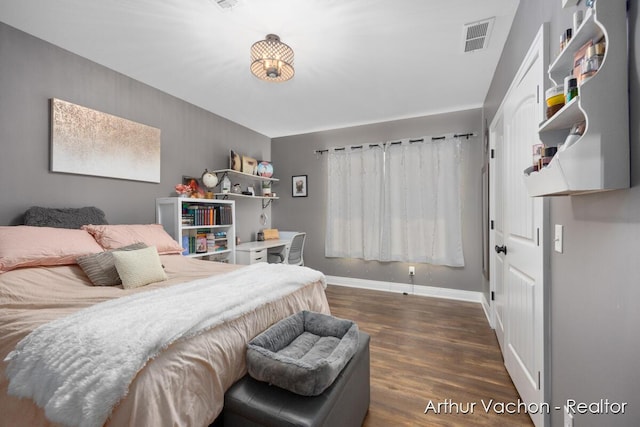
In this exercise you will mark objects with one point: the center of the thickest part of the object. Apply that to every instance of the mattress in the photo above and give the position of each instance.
(185, 384)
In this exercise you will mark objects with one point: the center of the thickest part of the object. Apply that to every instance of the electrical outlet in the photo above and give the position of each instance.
(412, 270)
(568, 417)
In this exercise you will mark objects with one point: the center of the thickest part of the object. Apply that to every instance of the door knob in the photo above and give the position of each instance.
(502, 249)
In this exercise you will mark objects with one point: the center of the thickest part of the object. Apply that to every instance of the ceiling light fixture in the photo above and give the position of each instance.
(226, 4)
(272, 60)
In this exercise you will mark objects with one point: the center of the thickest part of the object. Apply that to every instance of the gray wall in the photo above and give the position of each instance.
(294, 155)
(33, 71)
(594, 292)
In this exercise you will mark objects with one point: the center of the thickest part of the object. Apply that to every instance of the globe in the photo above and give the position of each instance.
(265, 169)
(209, 179)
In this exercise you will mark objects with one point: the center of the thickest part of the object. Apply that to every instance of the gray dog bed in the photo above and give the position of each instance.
(303, 353)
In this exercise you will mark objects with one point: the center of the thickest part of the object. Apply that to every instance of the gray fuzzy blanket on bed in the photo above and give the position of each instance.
(303, 353)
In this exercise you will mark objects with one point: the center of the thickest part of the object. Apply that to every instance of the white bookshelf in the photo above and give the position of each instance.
(217, 216)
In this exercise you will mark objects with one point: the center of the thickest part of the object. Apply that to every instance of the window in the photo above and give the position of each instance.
(396, 202)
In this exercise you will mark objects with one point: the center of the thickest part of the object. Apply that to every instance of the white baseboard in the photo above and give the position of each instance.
(487, 310)
(426, 291)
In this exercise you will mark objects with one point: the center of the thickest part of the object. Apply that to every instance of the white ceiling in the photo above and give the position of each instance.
(356, 61)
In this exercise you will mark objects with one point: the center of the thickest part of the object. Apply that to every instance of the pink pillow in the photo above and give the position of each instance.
(26, 246)
(117, 236)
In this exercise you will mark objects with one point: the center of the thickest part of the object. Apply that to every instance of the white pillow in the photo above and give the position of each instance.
(139, 268)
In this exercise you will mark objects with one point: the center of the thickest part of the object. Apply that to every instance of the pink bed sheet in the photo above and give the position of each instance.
(184, 385)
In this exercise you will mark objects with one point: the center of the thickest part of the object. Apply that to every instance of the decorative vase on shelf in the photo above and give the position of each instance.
(266, 188)
(265, 169)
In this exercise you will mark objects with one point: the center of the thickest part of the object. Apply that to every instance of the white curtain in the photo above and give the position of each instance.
(422, 211)
(400, 203)
(354, 219)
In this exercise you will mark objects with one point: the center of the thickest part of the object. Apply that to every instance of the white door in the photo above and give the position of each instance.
(519, 255)
(496, 236)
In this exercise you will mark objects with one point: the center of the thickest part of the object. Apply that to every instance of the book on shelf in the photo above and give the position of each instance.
(225, 215)
(200, 215)
(211, 240)
(201, 242)
(187, 219)
(197, 215)
(194, 245)
(185, 245)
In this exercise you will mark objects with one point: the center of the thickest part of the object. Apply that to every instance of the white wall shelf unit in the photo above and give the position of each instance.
(589, 30)
(599, 159)
(217, 218)
(246, 177)
(232, 172)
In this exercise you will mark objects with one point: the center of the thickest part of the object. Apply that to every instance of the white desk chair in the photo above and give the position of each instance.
(296, 249)
(293, 254)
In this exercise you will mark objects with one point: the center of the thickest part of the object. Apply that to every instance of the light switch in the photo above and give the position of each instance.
(557, 240)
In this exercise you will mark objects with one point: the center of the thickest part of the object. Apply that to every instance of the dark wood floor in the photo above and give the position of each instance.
(429, 350)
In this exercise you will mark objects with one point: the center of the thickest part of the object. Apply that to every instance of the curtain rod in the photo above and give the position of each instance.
(411, 141)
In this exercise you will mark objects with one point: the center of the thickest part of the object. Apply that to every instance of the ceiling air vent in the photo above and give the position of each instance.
(225, 4)
(475, 36)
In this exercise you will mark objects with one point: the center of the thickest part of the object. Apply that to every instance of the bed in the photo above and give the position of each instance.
(184, 384)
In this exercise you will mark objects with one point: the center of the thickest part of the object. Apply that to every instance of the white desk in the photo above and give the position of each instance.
(253, 252)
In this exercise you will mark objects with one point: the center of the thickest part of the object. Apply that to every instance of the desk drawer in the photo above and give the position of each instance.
(258, 256)
(254, 252)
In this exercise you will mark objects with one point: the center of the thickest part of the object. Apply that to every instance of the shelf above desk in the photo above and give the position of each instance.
(245, 175)
(245, 196)
(266, 200)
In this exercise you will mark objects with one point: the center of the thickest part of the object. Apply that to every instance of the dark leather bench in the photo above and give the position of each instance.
(251, 403)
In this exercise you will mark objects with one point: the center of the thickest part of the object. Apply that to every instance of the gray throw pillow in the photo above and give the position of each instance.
(64, 217)
(101, 267)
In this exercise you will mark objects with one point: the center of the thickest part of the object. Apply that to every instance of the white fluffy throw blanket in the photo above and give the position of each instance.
(77, 368)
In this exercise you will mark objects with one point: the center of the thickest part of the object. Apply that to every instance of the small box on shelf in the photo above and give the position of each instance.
(542, 156)
(578, 58)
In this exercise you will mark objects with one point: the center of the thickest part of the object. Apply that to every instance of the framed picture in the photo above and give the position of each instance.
(249, 165)
(235, 161)
(90, 142)
(191, 181)
(299, 186)
(195, 184)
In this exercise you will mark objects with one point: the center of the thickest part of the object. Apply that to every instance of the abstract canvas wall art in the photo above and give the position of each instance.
(90, 142)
